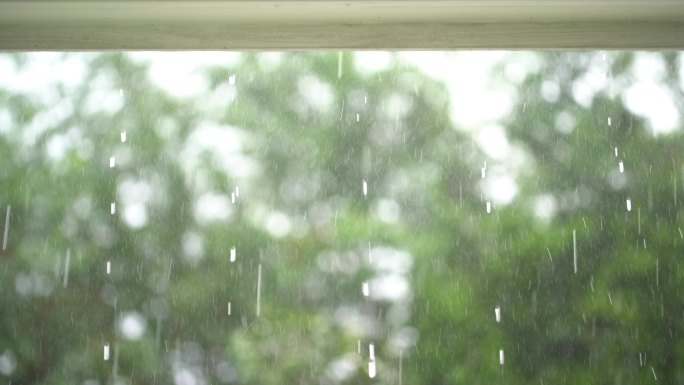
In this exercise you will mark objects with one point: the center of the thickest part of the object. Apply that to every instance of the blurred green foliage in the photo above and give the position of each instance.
(299, 141)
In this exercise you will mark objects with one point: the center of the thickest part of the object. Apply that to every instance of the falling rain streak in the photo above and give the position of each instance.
(112, 208)
(629, 204)
(112, 162)
(621, 167)
(365, 188)
(501, 356)
(67, 262)
(371, 369)
(231, 80)
(123, 136)
(228, 308)
(7, 222)
(365, 289)
(489, 207)
(574, 249)
(109, 267)
(258, 299)
(233, 253)
(106, 352)
(497, 312)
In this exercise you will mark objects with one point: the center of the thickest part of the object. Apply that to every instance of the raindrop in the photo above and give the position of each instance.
(7, 220)
(629, 204)
(365, 289)
(228, 308)
(371, 352)
(106, 352)
(497, 312)
(501, 356)
(358, 117)
(371, 369)
(231, 80)
(358, 347)
(66, 268)
(365, 100)
(121, 92)
(123, 136)
(109, 267)
(654, 375)
(112, 162)
(489, 207)
(232, 198)
(483, 172)
(574, 249)
(258, 299)
(232, 254)
(365, 188)
(237, 191)
(339, 65)
(112, 208)
(621, 166)
(609, 122)
(616, 152)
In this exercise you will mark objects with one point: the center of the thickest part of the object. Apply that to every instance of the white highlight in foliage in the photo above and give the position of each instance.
(106, 352)
(112, 162)
(371, 369)
(629, 204)
(621, 166)
(365, 289)
(112, 208)
(501, 356)
(123, 136)
(497, 312)
(232, 254)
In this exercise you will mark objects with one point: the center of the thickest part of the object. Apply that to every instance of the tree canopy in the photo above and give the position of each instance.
(306, 222)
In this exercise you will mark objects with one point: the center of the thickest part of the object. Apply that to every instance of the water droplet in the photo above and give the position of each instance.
(629, 204)
(232, 254)
(365, 188)
(237, 191)
(109, 267)
(371, 369)
(616, 152)
(112, 162)
(112, 208)
(231, 80)
(371, 352)
(7, 223)
(497, 312)
(574, 250)
(232, 197)
(365, 289)
(258, 299)
(121, 92)
(489, 207)
(501, 356)
(123, 136)
(483, 172)
(365, 100)
(358, 117)
(621, 166)
(228, 308)
(106, 352)
(609, 122)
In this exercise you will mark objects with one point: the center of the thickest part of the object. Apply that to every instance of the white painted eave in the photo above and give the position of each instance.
(332, 24)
